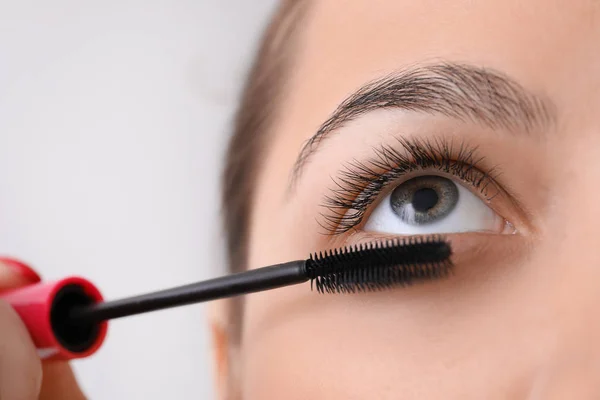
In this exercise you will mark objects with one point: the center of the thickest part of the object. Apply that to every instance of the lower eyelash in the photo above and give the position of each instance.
(359, 184)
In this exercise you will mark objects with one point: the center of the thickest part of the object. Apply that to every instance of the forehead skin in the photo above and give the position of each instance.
(298, 346)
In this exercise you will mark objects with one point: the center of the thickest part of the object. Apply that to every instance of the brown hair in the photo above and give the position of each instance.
(255, 115)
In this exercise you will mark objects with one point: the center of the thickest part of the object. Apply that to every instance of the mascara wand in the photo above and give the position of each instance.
(67, 318)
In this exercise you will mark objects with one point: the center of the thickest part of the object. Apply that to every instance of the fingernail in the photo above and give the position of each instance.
(21, 269)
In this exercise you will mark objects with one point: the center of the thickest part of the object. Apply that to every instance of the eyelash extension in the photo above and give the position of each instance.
(359, 184)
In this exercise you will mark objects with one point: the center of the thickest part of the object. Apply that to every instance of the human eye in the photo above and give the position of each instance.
(432, 204)
(415, 187)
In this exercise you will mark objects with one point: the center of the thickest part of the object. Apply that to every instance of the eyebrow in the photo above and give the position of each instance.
(458, 91)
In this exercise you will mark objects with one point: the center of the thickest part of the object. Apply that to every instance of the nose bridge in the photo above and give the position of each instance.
(575, 215)
(569, 270)
(572, 234)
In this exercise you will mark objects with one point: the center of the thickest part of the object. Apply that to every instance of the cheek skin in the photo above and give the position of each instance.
(419, 341)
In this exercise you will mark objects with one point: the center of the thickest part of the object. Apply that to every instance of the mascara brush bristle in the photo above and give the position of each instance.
(381, 265)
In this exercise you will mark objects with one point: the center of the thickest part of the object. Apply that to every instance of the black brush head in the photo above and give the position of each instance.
(380, 265)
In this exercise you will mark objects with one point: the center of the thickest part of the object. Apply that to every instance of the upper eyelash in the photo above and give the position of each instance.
(360, 183)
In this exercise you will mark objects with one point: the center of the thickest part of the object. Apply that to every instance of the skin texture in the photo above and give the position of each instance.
(22, 375)
(519, 318)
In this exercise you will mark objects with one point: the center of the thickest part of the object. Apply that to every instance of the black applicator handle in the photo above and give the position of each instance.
(67, 318)
(252, 281)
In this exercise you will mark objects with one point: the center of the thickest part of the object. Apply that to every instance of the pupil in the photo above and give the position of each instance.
(424, 199)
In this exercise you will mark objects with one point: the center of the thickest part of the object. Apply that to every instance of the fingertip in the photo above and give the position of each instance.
(15, 273)
(59, 382)
(20, 366)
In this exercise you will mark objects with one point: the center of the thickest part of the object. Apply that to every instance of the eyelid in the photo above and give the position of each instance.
(361, 184)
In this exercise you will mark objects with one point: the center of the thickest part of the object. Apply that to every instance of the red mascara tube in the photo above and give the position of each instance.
(44, 308)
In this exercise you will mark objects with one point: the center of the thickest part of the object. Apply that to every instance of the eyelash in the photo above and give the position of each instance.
(359, 184)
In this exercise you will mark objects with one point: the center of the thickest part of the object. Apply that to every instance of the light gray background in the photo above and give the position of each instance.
(113, 120)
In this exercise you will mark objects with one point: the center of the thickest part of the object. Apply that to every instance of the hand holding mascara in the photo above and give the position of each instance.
(67, 319)
(21, 370)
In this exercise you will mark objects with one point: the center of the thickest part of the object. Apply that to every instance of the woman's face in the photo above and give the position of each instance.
(483, 123)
